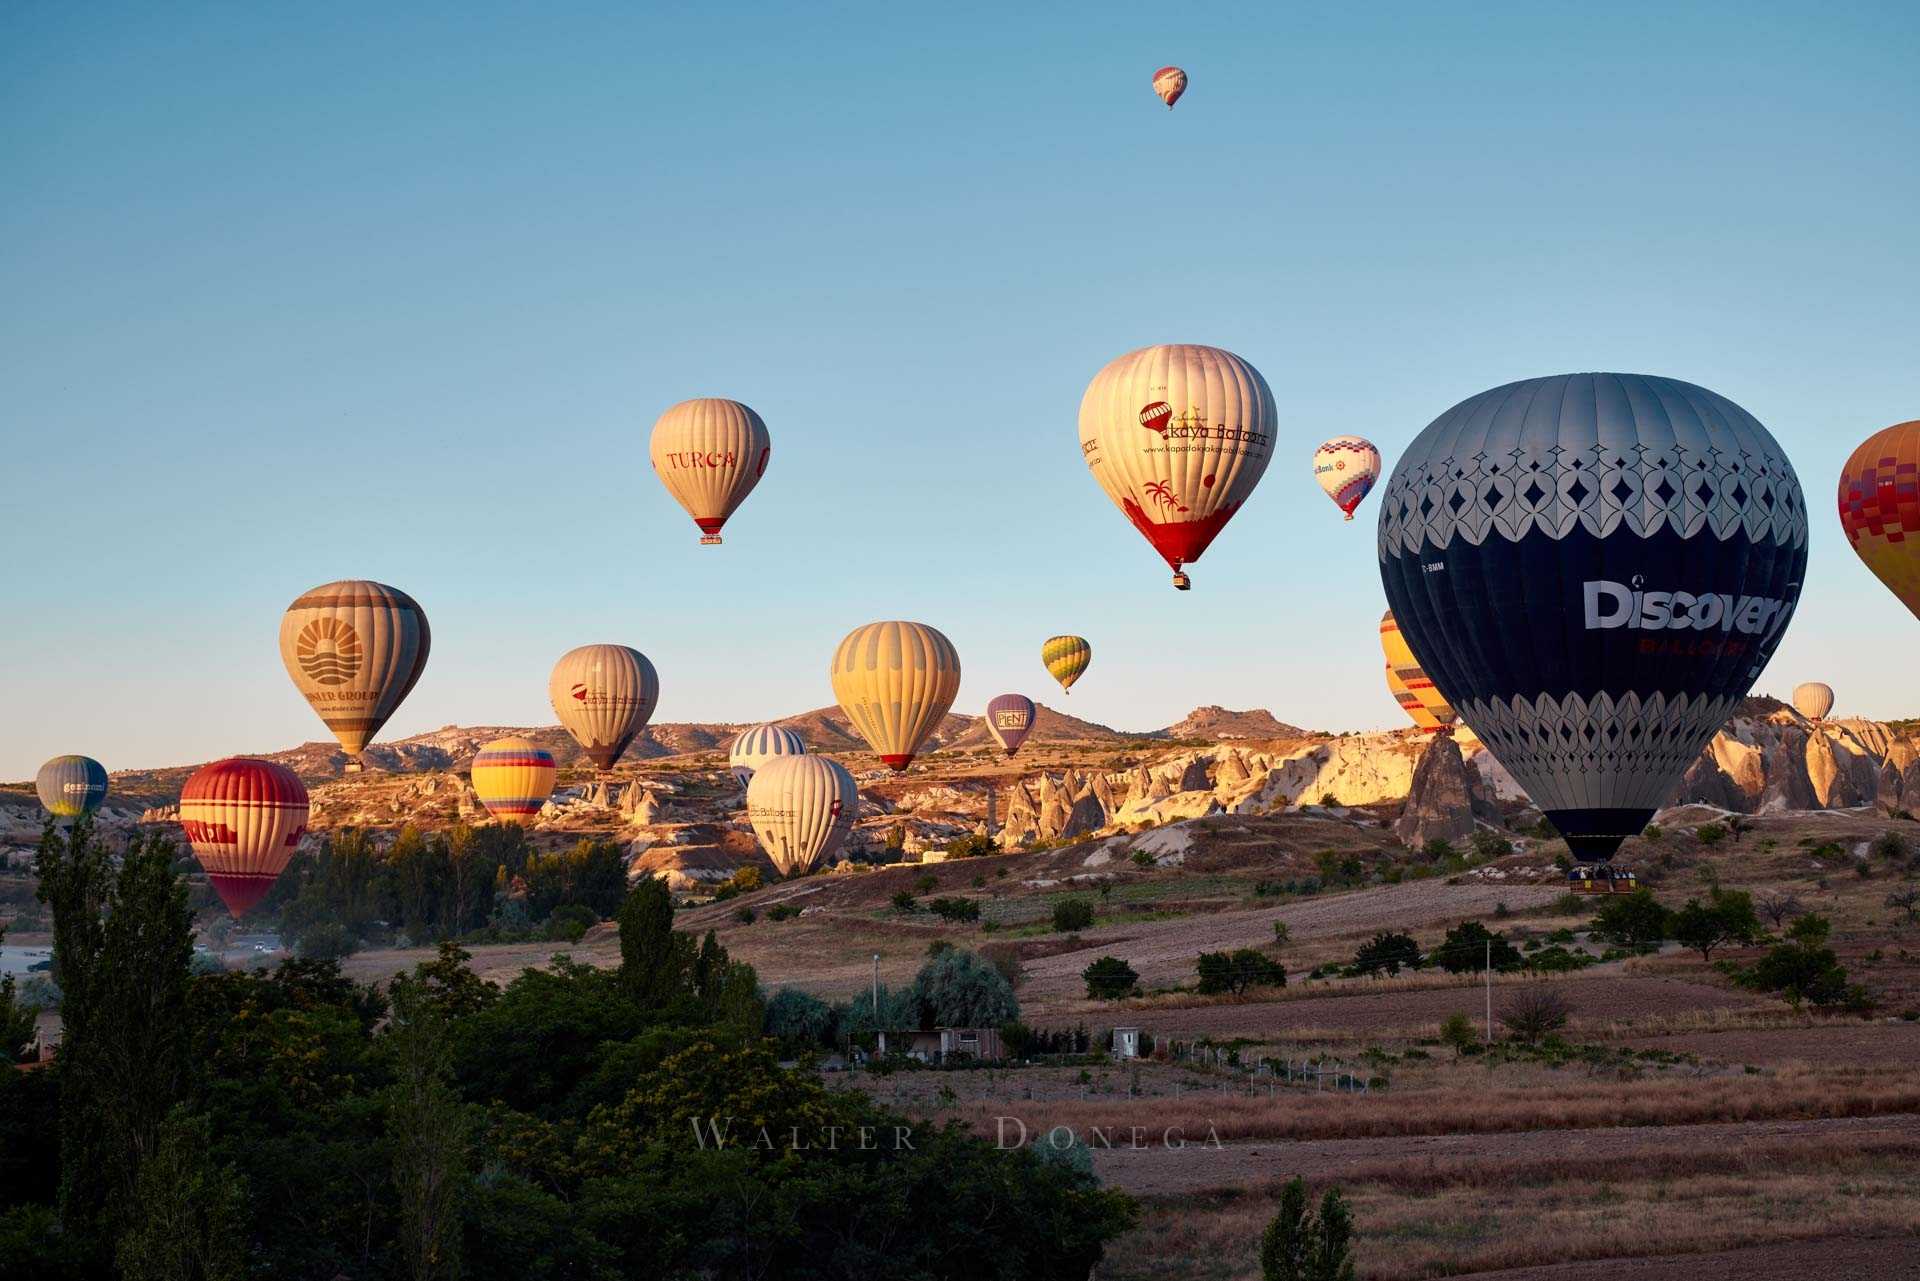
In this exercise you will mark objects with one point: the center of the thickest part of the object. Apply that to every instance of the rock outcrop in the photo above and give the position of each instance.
(1444, 800)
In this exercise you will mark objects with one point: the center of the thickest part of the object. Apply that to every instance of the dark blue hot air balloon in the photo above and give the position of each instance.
(71, 786)
(1010, 720)
(1593, 568)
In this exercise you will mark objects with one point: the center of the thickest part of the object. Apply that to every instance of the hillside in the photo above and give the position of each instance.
(1213, 724)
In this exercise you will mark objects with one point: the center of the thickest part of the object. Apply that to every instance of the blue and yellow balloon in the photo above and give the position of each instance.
(71, 786)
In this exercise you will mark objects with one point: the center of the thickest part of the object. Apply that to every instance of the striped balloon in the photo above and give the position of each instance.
(1880, 508)
(895, 681)
(1346, 468)
(355, 650)
(1010, 720)
(802, 808)
(604, 696)
(513, 778)
(1406, 680)
(1168, 84)
(710, 453)
(244, 819)
(71, 786)
(752, 748)
(1066, 657)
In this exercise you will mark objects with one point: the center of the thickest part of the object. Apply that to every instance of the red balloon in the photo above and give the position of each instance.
(244, 819)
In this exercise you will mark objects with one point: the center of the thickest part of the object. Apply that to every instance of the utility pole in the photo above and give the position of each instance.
(880, 1033)
(1489, 991)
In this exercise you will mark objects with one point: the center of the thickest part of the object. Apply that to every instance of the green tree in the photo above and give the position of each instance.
(1457, 1031)
(188, 1219)
(1110, 979)
(1299, 1245)
(1471, 946)
(1237, 971)
(1804, 968)
(1072, 914)
(428, 1130)
(1636, 919)
(654, 960)
(799, 1020)
(1727, 917)
(123, 941)
(1386, 953)
(959, 989)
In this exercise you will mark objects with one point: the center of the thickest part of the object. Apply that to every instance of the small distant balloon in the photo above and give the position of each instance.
(71, 786)
(513, 777)
(753, 748)
(1066, 657)
(244, 819)
(1169, 83)
(1346, 468)
(1010, 720)
(1813, 699)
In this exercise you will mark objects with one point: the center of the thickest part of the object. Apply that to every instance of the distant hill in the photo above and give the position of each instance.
(1216, 723)
(1049, 726)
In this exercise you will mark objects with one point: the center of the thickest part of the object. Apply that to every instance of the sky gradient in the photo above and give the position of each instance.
(297, 293)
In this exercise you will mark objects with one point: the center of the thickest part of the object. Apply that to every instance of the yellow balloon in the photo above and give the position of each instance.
(895, 681)
(1406, 679)
(1066, 658)
(513, 777)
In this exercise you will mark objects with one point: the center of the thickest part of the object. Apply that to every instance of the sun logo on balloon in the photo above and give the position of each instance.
(328, 651)
(1162, 493)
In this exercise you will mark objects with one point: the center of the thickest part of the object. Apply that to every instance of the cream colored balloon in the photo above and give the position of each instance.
(1178, 435)
(1813, 700)
(895, 681)
(604, 695)
(710, 453)
(802, 808)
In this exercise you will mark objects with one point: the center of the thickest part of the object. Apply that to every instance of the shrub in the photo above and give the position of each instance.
(925, 884)
(745, 915)
(569, 922)
(744, 881)
(1636, 918)
(1109, 979)
(1142, 859)
(1387, 952)
(1726, 917)
(1437, 850)
(1238, 971)
(327, 941)
(1282, 934)
(1891, 846)
(1558, 960)
(955, 909)
(1072, 914)
(973, 845)
(1299, 1245)
(1470, 945)
(1457, 1031)
(1710, 834)
(783, 912)
(1535, 1013)
(1908, 901)
(799, 1021)
(1779, 908)
(904, 901)
(1804, 968)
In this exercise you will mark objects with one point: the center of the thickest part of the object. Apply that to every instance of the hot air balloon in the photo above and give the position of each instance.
(752, 748)
(1178, 436)
(1169, 83)
(1066, 657)
(710, 453)
(1407, 681)
(355, 650)
(1346, 468)
(603, 695)
(1880, 508)
(1813, 700)
(895, 681)
(244, 819)
(801, 808)
(71, 786)
(1593, 568)
(513, 778)
(1010, 720)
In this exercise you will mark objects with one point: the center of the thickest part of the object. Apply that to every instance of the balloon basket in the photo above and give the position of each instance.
(709, 540)
(1600, 878)
(1182, 583)
(353, 767)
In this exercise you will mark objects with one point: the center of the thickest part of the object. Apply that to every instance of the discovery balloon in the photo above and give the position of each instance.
(1593, 568)
(1178, 436)
(801, 808)
(895, 681)
(71, 786)
(1346, 468)
(603, 695)
(1010, 720)
(244, 819)
(1880, 508)
(710, 453)
(1168, 84)
(1066, 657)
(355, 650)
(1430, 711)
(753, 748)
(1813, 700)
(513, 778)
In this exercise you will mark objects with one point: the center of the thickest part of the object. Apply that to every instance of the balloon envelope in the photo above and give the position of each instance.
(1178, 436)
(603, 695)
(71, 786)
(752, 748)
(1010, 720)
(1880, 508)
(1407, 681)
(895, 681)
(1593, 568)
(710, 453)
(513, 778)
(1066, 657)
(1813, 700)
(244, 819)
(1168, 84)
(801, 808)
(355, 649)
(1346, 468)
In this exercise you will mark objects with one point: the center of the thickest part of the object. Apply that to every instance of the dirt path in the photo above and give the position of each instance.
(1871, 1259)
(1155, 1169)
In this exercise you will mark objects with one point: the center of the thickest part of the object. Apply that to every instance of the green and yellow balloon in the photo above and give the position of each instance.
(1066, 657)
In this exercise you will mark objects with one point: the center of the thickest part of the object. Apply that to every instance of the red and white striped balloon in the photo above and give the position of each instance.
(244, 819)
(1346, 468)
(1169, 83)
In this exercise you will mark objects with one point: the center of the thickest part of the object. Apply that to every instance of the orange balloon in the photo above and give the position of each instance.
(1880, 508)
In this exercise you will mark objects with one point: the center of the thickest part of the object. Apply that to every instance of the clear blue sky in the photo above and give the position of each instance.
(291, 293)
